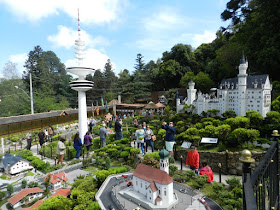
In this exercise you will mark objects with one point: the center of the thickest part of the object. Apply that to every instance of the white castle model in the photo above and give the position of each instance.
(239, 94)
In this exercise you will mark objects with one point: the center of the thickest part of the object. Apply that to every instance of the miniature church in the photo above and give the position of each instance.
(240, 94)
(155, 185)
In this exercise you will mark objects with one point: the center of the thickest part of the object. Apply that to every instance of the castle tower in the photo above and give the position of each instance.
(81, 85)
(191, 93)
(242, 86)
(164, 161)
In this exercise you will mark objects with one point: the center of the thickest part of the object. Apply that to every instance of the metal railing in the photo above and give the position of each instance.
(261, 188)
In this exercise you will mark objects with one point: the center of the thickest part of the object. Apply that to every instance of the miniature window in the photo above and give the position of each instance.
(164, 193)
(141, 185)
(150, 191)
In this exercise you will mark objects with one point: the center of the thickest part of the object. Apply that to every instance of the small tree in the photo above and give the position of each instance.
(10, 189)
(23, 184)
(108, 163)
(47, 183)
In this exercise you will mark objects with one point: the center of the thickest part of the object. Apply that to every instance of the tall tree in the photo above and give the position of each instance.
(139, 62)
(124, 86)
(10, 71)
(109, 75)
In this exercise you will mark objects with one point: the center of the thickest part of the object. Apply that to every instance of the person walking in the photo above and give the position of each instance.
(140, 138)
(87, 141)
(148, 136)
(77, 145)
(169, 137)
(61, 150)
(193, 159)
(103, 133)
(41, 137)
(28, 139)
(118, 130)
(50, 133)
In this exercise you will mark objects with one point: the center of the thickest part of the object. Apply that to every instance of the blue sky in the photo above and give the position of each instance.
(112, 29)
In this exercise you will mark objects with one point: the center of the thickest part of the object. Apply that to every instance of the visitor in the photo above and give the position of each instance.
(28, 140)
(90, 127)
(61, 150)
(103, 133)
(193, 159)
(41, 137)
(50, 133)
(87, 141)
(77, 145)
(148, 136)
(140, 138)
(46, 133)
(136, 122)
(169, 137)
(207, 171)
(118, 130)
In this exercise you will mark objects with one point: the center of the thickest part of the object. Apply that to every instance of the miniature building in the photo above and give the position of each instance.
(56, 180)
(239, 94)
(162, 100)
(14, 164)
(30, 194)
(155, 184)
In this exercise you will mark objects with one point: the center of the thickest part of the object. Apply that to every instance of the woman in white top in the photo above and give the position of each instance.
(139, 134)
(61, 150)
(148, 136)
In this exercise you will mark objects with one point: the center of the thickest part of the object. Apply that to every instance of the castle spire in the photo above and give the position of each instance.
(243, 60)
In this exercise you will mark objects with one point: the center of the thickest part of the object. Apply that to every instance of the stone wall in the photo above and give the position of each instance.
(229, 160)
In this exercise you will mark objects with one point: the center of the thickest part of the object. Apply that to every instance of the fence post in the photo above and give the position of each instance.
(181, 163)
(220, 172)
(275, 138)
(246, 170)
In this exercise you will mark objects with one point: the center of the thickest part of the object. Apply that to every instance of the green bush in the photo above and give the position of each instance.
(233, 182)
(172, 169)
(124, 155)
(126, 134)
(200, 181)
(96, 143)
(154, 155)
(112, 137)
(4, 177)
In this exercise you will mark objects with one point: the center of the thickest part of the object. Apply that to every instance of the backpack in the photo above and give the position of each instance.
(141, 135)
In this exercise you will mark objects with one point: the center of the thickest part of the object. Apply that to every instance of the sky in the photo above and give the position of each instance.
(112, 29)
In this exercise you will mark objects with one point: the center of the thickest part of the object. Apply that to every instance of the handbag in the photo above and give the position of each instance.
(154, 138)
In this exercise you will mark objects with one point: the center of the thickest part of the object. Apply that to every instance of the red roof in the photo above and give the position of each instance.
(159, 105)
(158, 199)
(57, 177)
(153, 187)
(13, 200)
(150, 174)
(63, 192)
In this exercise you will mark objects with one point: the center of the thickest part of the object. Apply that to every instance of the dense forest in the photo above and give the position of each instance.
(253, 30)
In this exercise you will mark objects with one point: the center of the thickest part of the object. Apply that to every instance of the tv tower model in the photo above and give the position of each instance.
(81, 85)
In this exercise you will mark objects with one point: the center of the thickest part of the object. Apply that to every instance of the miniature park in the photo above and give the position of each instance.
(218, 103)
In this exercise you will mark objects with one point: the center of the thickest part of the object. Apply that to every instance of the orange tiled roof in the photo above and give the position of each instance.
(63, 192)
(153, 186)
(13, 200)
(150, 174)
(158, 199)
(57, 177)
(160, 105)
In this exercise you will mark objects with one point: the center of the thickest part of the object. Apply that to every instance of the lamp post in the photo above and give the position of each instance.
(31, 94)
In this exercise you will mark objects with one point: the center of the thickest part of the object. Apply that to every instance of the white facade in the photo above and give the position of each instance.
(21, 165)
(31, 197)
(240, 94)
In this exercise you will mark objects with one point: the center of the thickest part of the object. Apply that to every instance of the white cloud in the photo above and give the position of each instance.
(93, 59)
(19, 59)
(66, 38)
(91, 12)
(204, 38)
(165, 21)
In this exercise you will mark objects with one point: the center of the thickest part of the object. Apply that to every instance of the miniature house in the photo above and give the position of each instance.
(56, 180)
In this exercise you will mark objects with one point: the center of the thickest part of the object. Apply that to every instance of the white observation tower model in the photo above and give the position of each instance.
(81, 85)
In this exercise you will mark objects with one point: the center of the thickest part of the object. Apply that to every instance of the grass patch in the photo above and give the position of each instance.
(92, 170)
(29, 174)
(4, 201)
(5, 177)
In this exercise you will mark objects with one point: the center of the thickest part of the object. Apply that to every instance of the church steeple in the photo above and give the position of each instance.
(164, 160)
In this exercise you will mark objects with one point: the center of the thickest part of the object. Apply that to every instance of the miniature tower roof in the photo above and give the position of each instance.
(163, 154)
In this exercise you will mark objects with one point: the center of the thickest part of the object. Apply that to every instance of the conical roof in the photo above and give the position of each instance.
(151, 105)
(160, 105)
(163, 154)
